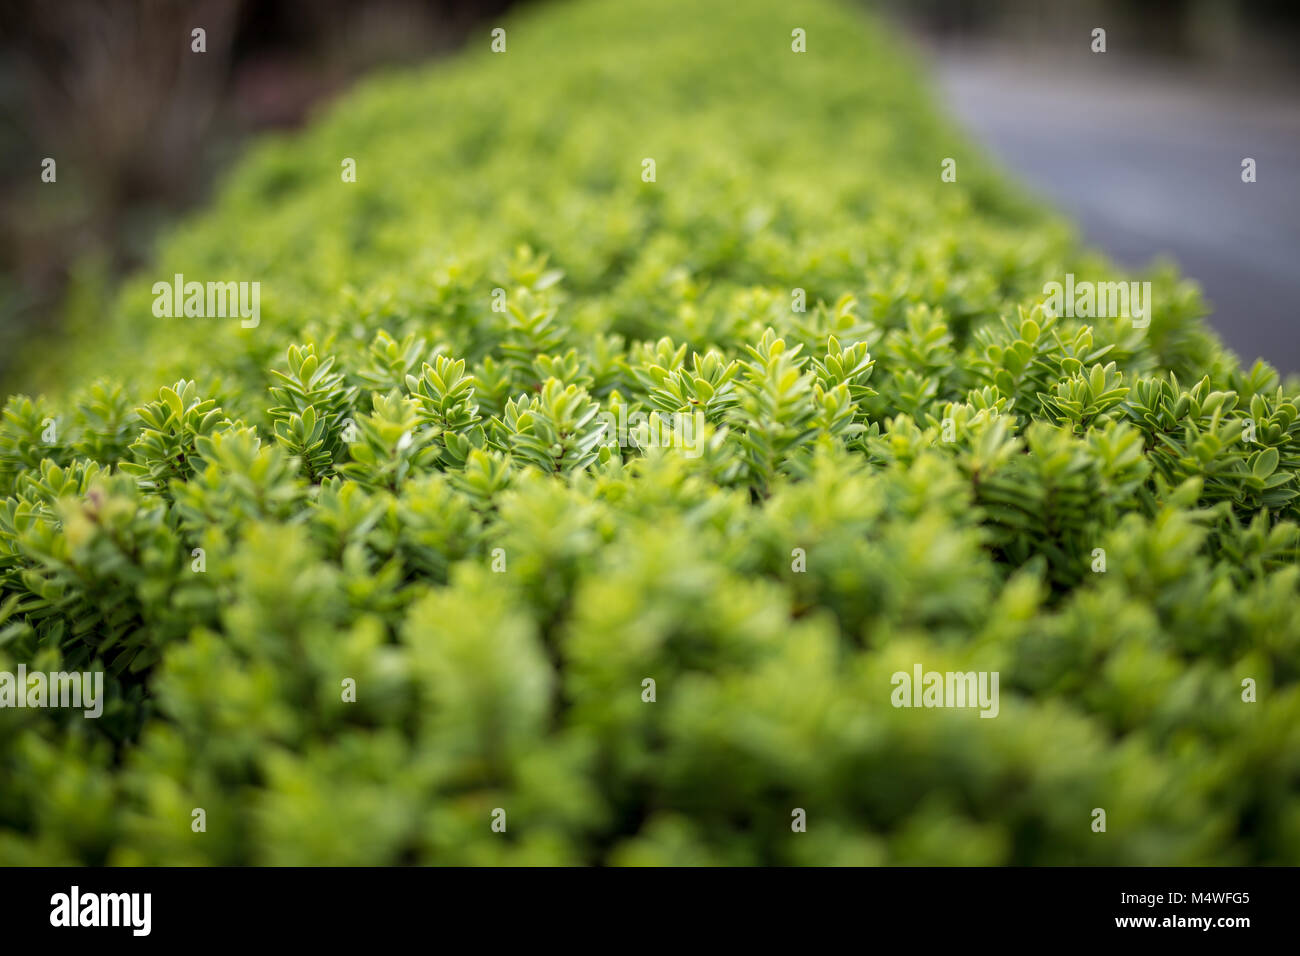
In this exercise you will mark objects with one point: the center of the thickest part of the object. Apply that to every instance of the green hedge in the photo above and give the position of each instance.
(394, 483)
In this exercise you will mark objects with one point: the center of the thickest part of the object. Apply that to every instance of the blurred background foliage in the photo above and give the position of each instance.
(140, 127)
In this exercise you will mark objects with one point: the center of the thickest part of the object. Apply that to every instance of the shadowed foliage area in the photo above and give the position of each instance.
(409, 484)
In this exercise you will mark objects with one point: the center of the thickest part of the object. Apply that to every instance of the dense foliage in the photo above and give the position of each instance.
(393, 483)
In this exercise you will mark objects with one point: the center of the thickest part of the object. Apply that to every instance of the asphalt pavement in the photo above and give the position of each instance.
(1148, 163)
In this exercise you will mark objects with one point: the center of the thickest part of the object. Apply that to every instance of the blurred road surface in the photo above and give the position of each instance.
(1150, 164)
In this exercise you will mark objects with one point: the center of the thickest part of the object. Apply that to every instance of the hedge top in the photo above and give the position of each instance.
(390, 561)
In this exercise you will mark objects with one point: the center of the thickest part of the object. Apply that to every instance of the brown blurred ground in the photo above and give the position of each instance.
(139, 124)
